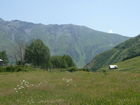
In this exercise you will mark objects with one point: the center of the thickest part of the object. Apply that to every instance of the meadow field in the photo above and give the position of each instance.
(66, 88)
(130, 65)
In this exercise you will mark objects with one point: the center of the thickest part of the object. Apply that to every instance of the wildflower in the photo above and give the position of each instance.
(24, 81)
(67, 80)
(19, 88)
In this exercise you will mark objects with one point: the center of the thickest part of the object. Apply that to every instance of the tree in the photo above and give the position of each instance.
(58, 62)
(20, 52)
(61, 61)
(69, 61)
(4, 57)
(37, 53)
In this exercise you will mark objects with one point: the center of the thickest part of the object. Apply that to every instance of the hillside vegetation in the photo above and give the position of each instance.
(65, 88)
(123, 51)
(132, 65)
(80, 42)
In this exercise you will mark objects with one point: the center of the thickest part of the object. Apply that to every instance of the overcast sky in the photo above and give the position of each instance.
(113, 16)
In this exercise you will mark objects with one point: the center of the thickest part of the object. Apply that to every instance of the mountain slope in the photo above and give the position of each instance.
(80, 42)
(123, 51)
(132, 65)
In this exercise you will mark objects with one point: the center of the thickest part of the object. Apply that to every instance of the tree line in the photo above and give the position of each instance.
(38, 54)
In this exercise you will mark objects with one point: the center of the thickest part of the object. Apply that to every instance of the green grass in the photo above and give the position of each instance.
(65, 88)
(131, 65)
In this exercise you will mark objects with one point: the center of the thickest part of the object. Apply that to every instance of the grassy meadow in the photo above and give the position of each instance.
(130, 65)
(66, 88)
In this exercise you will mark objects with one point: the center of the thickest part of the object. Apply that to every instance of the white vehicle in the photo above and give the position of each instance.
(113, 67)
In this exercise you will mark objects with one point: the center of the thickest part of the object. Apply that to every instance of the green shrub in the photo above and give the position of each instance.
(12, 68)
(72, 69)
(9, 69)
(83, 69)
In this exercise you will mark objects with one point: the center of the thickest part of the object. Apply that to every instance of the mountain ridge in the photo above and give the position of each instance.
(80, 42)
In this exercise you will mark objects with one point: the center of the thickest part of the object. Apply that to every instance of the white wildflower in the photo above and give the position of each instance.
(24, 81)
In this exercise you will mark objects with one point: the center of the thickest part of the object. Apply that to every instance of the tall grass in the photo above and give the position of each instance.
(65, 88)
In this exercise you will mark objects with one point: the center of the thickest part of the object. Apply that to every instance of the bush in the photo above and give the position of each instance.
(13, 68)
(72, 69)
(83, 69)
(61, 62)
(9, 69)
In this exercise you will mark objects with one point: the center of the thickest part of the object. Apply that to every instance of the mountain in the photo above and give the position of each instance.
(80, 42)
(123, 51)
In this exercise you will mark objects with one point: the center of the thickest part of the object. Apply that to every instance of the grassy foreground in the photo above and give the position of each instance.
(65, 88)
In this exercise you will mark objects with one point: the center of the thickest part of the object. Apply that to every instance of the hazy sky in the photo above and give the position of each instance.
(117, 16)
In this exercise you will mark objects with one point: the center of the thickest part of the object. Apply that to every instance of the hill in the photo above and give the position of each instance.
(123, 51)
(80, 42)
(132, 65)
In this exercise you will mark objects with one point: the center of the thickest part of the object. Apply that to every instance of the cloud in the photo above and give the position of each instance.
(110, 31)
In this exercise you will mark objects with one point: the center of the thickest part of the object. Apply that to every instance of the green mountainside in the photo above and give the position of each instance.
(132, 65)
(80, 42)
(122, 52)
